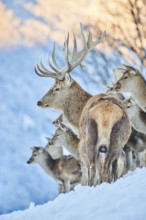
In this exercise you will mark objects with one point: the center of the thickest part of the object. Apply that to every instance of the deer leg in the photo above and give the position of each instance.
(121, 165)
(61, 188)
(114, 170)
(91, 167)
(106, 168)
(97, 171)
(84, 163)
(129, 160)
(67, 186)
(84, 179)
(138, 159)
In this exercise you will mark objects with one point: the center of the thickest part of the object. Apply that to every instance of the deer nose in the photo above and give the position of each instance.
(39, 103)
(29, 161)
(102, 149)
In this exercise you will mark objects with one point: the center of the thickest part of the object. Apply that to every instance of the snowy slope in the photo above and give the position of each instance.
(122, 200)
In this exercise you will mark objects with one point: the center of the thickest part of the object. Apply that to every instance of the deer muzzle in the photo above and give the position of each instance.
(42, 104)
(30, 161)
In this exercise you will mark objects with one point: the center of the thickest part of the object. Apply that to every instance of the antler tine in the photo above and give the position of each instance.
(74, 54)
(89, 38)
(83, 36)
(66, 45)
(45, 72)
(130, 67)
(89, 44)
(53, 58)
(71, 60)
(52, 67)
(126, 66)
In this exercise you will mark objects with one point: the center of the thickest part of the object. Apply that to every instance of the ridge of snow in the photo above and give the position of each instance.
(124, 199)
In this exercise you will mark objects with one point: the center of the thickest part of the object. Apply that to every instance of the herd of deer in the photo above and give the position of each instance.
(105, 134)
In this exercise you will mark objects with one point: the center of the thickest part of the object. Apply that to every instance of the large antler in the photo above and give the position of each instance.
(72, 59)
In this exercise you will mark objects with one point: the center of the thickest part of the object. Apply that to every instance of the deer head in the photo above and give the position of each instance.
(128, 80)
(59, 93)
(37, 155)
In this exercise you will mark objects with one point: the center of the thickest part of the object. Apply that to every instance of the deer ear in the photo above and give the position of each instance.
(63, 127)
(132, 100)
(47, 138)
(68, 79)
(134, 72)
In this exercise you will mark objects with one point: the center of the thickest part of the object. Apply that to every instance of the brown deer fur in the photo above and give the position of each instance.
(65, 137)
(132, 81)
(69, 99)
(66, 170)
(104, 126)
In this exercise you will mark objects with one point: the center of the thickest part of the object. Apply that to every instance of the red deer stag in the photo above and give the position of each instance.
(66, 94)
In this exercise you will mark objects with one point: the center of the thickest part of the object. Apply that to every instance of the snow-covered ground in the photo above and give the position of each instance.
(122, 200)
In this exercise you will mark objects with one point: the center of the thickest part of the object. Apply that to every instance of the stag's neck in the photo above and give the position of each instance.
(139, 94)
(75, 104)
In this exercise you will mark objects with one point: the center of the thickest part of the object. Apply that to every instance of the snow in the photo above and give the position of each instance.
(124, 199)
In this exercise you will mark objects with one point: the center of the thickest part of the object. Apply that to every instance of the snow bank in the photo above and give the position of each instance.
(124, 199)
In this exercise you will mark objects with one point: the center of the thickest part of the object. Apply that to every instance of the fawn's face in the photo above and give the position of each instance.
(37, 155)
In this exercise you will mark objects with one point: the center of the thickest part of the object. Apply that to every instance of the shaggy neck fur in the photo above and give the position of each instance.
(75, 103)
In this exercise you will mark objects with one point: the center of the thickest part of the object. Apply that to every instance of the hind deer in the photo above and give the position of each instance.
(65, 137)
(104, 130)
(132, 81)
(65, 171)
(137, 144)
(66, 94)
(136, 115)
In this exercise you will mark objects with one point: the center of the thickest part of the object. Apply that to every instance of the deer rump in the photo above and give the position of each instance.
(104, 130)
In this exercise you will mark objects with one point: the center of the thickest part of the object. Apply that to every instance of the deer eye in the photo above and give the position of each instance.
(56, 89)
(125, 77)
(128, 106)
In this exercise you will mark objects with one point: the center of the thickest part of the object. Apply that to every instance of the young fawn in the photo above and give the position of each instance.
(65, 170)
